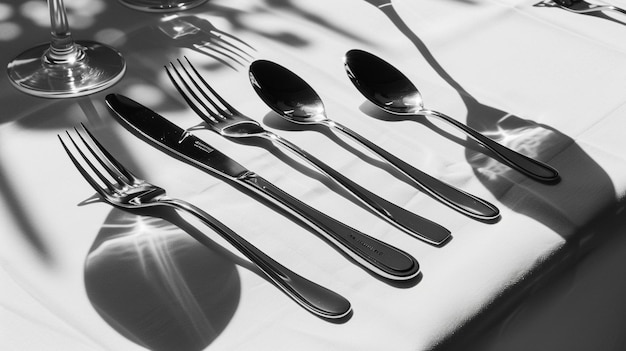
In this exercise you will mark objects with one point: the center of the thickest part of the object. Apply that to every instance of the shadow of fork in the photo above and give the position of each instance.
(200, 35)
(598, 14)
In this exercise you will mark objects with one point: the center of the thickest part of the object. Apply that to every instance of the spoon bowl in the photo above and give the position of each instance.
(382, 84)
(288, 95)
(389, 89)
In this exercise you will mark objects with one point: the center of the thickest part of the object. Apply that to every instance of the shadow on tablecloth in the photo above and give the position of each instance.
(585, 189)
(158, 286)
(582, 207)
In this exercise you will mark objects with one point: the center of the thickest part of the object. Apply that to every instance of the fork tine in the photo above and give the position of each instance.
(199, 88)
(94, 184)
(228, 106)
(94, 170)
(86, 159)
(188, 92)
(112, 165)
(102, 160)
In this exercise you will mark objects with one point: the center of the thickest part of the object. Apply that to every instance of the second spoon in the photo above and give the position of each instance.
(389, 89)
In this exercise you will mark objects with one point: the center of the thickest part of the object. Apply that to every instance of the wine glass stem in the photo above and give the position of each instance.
(62, 50)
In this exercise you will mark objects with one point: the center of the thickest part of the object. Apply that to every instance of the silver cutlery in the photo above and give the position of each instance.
(374, 255)
(225, 120)
(295, 100)
(392, 91)
(581, 6)
(120, 188)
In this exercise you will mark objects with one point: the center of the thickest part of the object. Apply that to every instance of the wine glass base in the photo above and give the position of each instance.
(100, 68)
(161, 5)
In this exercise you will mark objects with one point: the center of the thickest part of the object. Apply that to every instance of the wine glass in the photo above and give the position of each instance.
(65, 68)
(162, 5)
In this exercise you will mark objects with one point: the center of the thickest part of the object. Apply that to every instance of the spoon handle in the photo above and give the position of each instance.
(408, 222)
(531, 167)
(457, 199)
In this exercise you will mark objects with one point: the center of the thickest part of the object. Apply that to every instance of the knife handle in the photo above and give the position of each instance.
(377, 256)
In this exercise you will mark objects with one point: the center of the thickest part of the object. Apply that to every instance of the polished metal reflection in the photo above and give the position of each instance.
(581, 6)
(222, 118)
(65, 68)
(392, 91)
(155, 284)
(295, 100)
(378, 257)
(162, 5)
(119, 187)
(529, 139)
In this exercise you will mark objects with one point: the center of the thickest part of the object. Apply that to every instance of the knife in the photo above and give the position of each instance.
(374, 255)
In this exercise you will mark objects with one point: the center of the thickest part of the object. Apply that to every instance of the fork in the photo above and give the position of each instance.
(225, 120)
(119, 187)
(582, 6)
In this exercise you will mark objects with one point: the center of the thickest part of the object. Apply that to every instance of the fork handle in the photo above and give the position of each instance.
(455, 198)
(408, 222)
(313, 297)
(377, 256)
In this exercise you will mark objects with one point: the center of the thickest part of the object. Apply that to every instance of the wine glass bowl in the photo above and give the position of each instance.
(65, 68)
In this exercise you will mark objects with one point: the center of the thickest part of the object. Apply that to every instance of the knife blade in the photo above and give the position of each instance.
(374, 255)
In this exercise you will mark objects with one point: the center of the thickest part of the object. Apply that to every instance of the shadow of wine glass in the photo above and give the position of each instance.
(156, 285)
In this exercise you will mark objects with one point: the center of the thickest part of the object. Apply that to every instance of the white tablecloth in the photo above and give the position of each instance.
(79, 275)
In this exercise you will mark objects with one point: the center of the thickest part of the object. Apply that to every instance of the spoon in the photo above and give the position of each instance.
(293, 99)
(392, 91)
